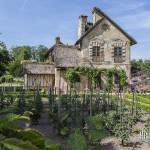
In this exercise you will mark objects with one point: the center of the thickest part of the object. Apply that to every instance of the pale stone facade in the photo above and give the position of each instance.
(100, 44)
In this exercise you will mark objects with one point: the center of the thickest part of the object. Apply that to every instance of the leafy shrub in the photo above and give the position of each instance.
(123, 128)
(64, 131)
(2, 137)
(9, 120)
(53, 147)
(147, 129)
(6, 78)
(77, 141)
(49, 145)
(97, 135)
(34, 137)
(21, 103)
(111, 120)
(16, 144)
(96, 128)
(2, 79)
(96, 122)
(43, 92)
(27, 113)
(38, 102)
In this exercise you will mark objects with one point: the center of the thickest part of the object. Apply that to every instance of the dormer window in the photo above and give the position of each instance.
(97, 54)
(118, 55)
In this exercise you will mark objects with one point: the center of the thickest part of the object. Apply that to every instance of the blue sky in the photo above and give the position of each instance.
(34, 22)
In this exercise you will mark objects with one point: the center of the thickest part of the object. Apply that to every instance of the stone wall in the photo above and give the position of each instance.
(108, 38)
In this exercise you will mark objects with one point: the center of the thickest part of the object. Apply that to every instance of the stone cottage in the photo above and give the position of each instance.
(101, 44)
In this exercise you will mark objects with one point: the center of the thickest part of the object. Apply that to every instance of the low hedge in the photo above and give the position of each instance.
(139, 98)
(143, 106)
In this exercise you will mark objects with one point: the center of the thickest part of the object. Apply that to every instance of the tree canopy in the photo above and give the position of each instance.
(4, 58)
(20, 53)
(140, 66)
(39, 53)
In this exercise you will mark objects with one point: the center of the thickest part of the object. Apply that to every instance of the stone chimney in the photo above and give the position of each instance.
(57, 41)
(82, 25)
(96, 15)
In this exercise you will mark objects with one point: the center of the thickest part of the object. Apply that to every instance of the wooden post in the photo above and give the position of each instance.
(59, 95)
(91, 97)
(133, 103)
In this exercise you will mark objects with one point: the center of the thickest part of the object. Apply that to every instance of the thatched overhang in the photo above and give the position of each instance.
(38, 68)
(66, 56)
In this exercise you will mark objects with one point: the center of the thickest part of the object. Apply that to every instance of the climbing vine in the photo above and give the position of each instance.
(122, 79)
(110, 75)
(94, 76)
(72, 76)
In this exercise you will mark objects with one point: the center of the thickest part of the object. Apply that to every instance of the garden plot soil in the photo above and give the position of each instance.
(110, 143)
(113, 143)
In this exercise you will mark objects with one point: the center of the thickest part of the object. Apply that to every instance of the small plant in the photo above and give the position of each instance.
(136, 131)
(111, 119)
(38, 101)
(16, 144)
(147, 129)
(96, 129)
(64, 131)
(123, 129)
(21, 103)
(77, 141)
(2, 101)
(35, 116)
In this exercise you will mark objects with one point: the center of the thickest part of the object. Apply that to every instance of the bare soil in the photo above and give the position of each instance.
(111, 143)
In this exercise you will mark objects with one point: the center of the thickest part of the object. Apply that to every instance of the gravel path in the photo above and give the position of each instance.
(45, 126)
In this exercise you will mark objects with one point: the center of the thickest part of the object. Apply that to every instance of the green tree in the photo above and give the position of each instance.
(39, 53)
(22, 53)
(140, 66)
(15, 68)
(4, 58)
(18, 54)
